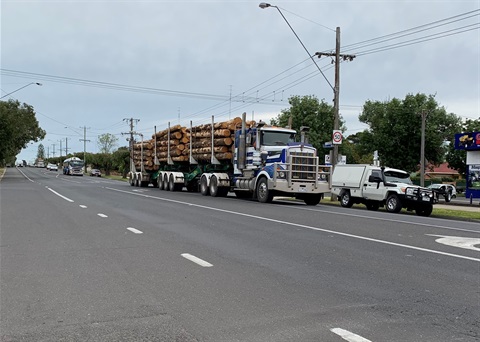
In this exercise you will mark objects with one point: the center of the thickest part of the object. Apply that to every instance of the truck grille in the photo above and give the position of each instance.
(304, 166)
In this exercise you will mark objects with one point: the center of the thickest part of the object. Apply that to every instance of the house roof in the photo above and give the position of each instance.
(441, 169)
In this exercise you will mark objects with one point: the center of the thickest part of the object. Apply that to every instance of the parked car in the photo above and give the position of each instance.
(448, 191)
(95, 172)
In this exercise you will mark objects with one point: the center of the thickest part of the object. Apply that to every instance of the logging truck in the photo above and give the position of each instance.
(252, 160)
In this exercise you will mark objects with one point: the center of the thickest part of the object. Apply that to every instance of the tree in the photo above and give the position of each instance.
(18, 127)
(457, 158)
(308, 111)
(121, 160)
(106, 142)
(395, 130)
(41, 152)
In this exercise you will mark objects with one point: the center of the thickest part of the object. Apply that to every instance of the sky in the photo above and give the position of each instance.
(102, 63)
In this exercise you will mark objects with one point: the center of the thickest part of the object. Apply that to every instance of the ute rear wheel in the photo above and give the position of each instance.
(393, 204)
(346, 199)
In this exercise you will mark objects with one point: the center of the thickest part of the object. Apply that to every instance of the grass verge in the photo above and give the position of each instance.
(453, 214)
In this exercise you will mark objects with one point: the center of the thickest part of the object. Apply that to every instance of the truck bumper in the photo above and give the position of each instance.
(298, 187)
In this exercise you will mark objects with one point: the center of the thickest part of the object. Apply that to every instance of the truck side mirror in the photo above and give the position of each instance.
(374, 179)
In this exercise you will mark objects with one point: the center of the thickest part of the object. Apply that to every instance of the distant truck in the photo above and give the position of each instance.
(73, 166)
(377, 186)
(40, 163)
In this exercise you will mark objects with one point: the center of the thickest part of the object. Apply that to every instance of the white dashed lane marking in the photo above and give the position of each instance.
(102, 215)
(348, 336)
(196, 260)
(133, 230)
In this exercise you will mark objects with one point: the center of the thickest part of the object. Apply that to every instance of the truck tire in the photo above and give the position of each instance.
(214, 186)
(346, 199)
(264, 195)
(204, 187)
(165, 182)
(312, 199)
(174, 186)
(424, 210)
(131, 180)
(160, 181)
(372, 205)
(393, 204)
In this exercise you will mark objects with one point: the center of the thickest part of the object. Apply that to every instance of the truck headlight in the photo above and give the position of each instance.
(409, 191)
(281, 174)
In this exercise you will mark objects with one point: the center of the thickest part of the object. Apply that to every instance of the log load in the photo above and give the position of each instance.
(224, 135)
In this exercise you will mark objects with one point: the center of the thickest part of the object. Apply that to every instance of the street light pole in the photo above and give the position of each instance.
(39, 84)
(336, 89)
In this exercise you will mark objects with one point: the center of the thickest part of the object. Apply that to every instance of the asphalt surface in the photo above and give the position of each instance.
(90, 259)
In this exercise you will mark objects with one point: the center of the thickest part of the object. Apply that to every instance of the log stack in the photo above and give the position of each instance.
(223, 134)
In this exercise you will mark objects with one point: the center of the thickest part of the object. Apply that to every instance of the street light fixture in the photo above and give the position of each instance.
(39, 84)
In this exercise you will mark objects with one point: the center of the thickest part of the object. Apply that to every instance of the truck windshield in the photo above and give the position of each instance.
(270, 138)
(397, 177)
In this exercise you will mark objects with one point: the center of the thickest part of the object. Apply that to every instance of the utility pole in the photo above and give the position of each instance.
(60, 152)
(336, 91)
(422, 149)
(66, 146)
(84, 148)
(132, 132)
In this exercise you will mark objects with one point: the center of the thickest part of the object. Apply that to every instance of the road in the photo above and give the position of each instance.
(91, 259)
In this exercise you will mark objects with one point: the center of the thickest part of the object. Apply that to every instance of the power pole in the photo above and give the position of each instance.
(422, 149)
(84, 148)
(131, 140)
(336, 91)
(66, 146)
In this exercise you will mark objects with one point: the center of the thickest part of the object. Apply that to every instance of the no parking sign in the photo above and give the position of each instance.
(337, 137)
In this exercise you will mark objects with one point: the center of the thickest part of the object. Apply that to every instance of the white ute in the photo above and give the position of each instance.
(377, 186)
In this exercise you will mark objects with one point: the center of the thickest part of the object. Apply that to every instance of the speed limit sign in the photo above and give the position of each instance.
(337, 137)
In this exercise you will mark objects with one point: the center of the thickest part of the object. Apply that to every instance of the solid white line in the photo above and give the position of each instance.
(136, 231)
(56, 193)
(348, 336)
(196, 260)
(83, 206)
(387, 219)
(24, 175)
(302, 226)
(102, 215)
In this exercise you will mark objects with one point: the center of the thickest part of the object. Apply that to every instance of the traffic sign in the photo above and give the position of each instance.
(337, 137)
(327, 160)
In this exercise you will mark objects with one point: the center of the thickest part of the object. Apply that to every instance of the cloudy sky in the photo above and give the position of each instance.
(100, 62)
